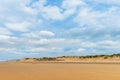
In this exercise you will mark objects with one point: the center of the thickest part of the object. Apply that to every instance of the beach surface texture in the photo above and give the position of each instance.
(58, 71)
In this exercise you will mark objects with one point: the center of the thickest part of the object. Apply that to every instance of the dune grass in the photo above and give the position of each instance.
(73, 57)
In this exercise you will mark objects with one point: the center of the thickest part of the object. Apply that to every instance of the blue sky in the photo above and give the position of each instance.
(38, 28)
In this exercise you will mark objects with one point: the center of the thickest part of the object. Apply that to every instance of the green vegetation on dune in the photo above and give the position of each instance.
(78, 57)
(45, 59)
(41, 59)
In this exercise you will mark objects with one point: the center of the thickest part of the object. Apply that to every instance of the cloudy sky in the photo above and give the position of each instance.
(38, 28)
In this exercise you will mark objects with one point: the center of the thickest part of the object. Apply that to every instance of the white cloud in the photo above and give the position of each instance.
(7, 37)
(7, 49)
(39, 4)
(49, 12)
(96, 24)
(87, 16)
(39, 34)
(109, 44)
(58, 45)
(107, 1)
(4, 31)
(81, 50)
(8, 41)
(68, 4)
(2, 37)
(23, 27)
(52, 12)
(46, 33)
(17, 15)
(36, 50)
(30, 45)
(10, 51)
(70, 7)
(17, 10)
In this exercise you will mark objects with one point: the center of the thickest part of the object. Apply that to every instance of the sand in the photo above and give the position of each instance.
(58, 71)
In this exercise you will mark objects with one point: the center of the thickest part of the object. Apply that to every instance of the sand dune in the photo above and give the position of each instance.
(91, 58)
(47, 71)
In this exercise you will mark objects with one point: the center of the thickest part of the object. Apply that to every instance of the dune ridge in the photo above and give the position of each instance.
(114, 58)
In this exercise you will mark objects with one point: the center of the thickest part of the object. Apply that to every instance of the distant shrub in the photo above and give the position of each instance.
(80, 57)
(106, 57)
(18, 60)
(45, 59)
(117, 55)
(27, 58)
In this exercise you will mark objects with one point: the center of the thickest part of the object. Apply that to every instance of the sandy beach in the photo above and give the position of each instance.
(58, 71)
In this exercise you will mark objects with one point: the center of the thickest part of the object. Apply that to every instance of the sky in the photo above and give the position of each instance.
(39, 28)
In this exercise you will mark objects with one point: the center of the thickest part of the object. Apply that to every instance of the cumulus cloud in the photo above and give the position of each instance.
(28, 26)
(46, 33)
(24, 45)
(17, 10)
(68, 4)
(71, 7)
(4, 31)
(39, 34)
(29, 45)
(4, 37)
(24, 14)
(52, 12)
(17, 15)
(81, 49)
(96, 24)
(23, 27)
(109, 44)
(106, 1)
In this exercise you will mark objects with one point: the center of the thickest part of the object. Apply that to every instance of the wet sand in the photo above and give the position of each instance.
(58, 71)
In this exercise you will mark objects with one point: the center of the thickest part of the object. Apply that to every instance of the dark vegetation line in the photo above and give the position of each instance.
(80, 57)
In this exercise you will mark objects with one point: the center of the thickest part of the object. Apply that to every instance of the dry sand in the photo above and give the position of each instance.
(58, 71)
